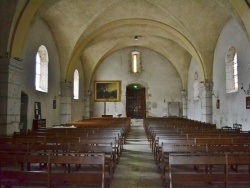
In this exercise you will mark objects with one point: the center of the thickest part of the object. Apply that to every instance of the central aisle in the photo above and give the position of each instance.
(137, 168)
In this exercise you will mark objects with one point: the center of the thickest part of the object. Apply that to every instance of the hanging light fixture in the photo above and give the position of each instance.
(136, 37)
(135, 64)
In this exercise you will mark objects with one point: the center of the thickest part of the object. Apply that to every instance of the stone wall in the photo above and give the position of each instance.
(158, 76)
(40, 35)
(232, 105)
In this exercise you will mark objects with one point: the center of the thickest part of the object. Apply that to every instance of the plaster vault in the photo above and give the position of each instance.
(80, 27)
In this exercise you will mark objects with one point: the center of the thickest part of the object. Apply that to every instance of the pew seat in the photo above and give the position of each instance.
(58, 173)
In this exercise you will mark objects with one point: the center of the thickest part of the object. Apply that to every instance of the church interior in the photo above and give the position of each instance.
(69, 63)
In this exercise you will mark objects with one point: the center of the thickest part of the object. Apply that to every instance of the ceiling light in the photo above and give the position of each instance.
(136, 38)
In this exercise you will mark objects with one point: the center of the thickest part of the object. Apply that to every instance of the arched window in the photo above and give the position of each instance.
(135, 62)
(42, 60)
(76, 85)
(231, 70)
(196, 87)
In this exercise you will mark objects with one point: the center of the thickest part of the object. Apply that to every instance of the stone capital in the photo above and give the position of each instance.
(183, 93)
(67, 89)
(206, 86)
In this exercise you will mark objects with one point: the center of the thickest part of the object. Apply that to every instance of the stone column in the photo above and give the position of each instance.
(10, 95)
(87, 104)
(206, 101)
(66, 98)
(184, 103)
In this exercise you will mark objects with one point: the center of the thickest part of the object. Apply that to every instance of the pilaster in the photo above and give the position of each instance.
(66, 99)
(184, 103)
(10, 95)
(87, 104)
(206, 101)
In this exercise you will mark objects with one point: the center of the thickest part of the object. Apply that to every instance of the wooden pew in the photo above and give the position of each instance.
(181, 172)
(178, 141)
(5, 139)
(110, 160)
(123, 123)
(13, 147)
(110, 157)
(168, 149)
(91, 174)
(199, 141)
(61, 140)
(240, 178)
(105, 142)
(12, 172)
(207, 141)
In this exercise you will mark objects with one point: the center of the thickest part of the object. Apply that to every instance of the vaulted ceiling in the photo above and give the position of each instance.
(90, 30)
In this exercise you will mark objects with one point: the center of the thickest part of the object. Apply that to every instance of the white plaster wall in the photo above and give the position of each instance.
(77, 106)
(193, 105)
(159, 77)
(233, 105)
(40, 34)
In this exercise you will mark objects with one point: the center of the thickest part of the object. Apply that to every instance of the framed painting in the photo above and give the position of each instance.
(107, 91)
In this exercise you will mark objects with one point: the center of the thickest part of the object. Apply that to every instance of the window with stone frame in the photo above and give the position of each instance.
(76, 85)
(42, 60)
(231, 68)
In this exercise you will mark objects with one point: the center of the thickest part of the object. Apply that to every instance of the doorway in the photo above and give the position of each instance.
(24, 112)
(135, 101)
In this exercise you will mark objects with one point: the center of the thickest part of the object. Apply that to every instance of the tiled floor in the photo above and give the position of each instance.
(137, 168)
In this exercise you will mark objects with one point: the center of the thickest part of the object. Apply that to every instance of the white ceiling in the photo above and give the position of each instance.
(90, 30)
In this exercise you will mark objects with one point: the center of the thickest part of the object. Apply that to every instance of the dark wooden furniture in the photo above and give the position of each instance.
(39, 123)
(54, 175)
(107, 116)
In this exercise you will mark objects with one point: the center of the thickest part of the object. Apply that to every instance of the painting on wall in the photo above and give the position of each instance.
(107, 91)
(247, 102)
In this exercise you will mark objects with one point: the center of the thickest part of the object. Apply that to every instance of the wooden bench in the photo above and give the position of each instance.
(13, 147)
(241, 177)
(168, 149)
(110, 160)
(13, 173)
(178, 141)
(103, 140)
(180, 170)
(110, 155)
(91, 173)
